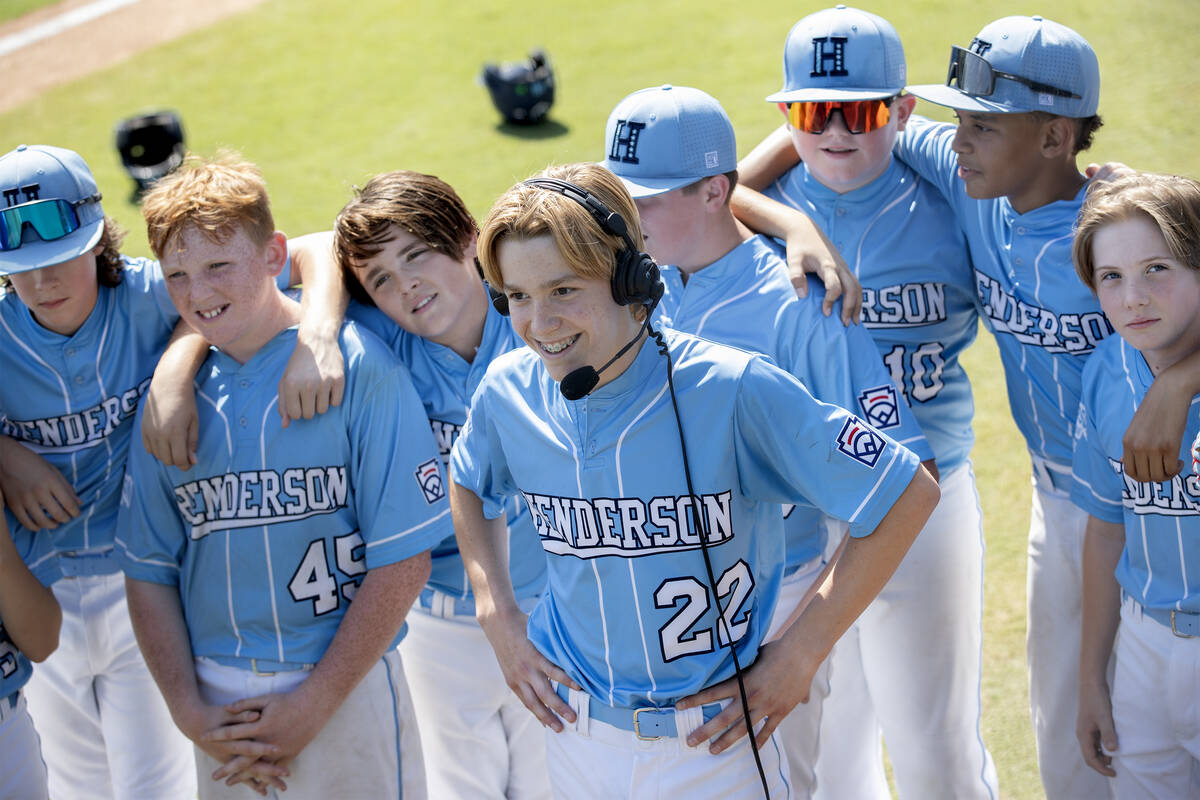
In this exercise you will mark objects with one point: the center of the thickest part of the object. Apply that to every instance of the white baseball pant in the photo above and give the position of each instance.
(106, 732)
(1155, 686)
(478, 738)
(22, 771)
(1054, 593)
(593, 760)
(909, 669)
(369, 747)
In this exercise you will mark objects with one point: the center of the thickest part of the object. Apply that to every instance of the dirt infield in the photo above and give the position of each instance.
(100, 42)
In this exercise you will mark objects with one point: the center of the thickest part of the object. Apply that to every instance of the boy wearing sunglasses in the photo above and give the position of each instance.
(730, 286)
(910, 666)
(81, 327)
(1026, 93)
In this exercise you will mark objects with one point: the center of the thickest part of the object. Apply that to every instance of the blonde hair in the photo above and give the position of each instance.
(1172, 203)
(215, 196)
(526, 212)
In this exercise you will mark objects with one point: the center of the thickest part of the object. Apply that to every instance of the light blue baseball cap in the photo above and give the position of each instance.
(668, 137)
(841, 53)
(1021, 64)
(42, 172)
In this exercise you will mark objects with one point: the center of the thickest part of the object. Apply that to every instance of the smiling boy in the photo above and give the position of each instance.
(641, 627)
(406, 246)
(910, 667)
(1138, 248)
(268, 583)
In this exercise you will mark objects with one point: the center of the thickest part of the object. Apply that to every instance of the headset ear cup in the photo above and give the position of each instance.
(499, 300)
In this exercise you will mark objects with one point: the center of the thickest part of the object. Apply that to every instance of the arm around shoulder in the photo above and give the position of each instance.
(1154, 438)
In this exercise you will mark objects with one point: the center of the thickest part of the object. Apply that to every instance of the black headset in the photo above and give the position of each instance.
(635, 278)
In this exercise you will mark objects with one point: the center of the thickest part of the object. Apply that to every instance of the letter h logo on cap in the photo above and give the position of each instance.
(829, 50)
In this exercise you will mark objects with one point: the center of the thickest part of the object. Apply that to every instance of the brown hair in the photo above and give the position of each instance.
(214, 196)
(424, 205)
(110, 269)
(526, 212)
(1171, 202)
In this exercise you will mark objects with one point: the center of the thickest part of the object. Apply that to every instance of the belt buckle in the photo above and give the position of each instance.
(254, 668)
(637, 727)
(1177, 633)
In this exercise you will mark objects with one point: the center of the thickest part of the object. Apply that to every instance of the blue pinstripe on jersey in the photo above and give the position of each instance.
(627, 611)
(918, 302)
(745, 299)
(1160, 566)
(71, 399)
(445, 383)
(1046, 322)
(270, 533)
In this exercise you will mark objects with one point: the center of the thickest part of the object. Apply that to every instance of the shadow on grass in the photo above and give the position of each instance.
(546, 129)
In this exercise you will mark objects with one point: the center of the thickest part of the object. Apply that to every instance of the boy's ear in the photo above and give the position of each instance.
(715, 190)
(1058, 137)
(276, 252)
(903, 107)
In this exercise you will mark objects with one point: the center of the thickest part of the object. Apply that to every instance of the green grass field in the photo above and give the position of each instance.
(323, 95)
(11, 9)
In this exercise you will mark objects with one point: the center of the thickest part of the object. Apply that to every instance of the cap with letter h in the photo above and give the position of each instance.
(841, 53)
(1021, 64)
(661, 139)
(49, 208)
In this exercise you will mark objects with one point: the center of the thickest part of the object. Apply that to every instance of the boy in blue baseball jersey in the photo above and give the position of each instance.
(30, 619)
(1138, 248)
(83, 327)
(1026, 93)
(732, 287)
(406, 245)
(663, 569)
(268, 583)
(910, 667)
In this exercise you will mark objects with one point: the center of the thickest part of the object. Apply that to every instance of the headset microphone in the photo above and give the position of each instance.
(578, 382)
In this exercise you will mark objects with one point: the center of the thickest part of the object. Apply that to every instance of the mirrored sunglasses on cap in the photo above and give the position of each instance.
(973, 75)
(50, 219)
(861, 116)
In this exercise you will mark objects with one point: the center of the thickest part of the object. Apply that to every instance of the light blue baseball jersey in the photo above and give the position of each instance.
(628, 612)
(745, 299)
(1046, 322)
(445, 383)
(1160, 565)
(72, 399)
(918, 303)
(270, 533)
(39, 556)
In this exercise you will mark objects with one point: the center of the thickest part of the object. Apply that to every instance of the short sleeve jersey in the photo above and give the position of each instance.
(628, 612)
(269, 535)
(1045, 320)
(445, 383)
(38, 555)
(918, 303)
(1160, 565)
(745, 299)
(72, 399)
